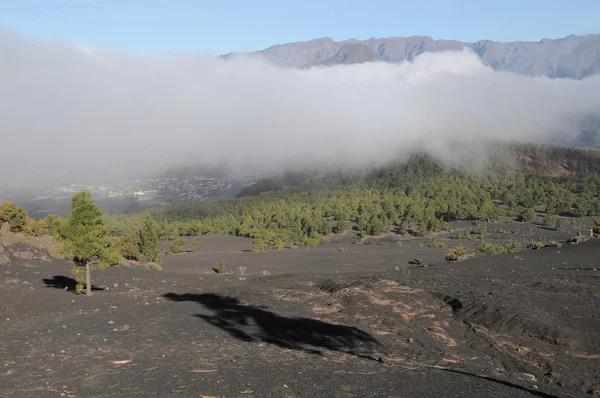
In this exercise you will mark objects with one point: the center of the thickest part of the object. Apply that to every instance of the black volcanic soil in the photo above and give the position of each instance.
(324, 323)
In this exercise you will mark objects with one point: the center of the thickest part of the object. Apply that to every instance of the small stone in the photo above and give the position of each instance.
(116, 285)
(115, 330)
(110, 322)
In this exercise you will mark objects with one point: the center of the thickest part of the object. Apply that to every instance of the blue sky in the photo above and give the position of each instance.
(221, 26)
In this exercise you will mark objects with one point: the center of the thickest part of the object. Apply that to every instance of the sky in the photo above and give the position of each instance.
(222, 26)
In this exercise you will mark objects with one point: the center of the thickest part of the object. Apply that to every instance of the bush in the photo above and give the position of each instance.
(596, 228)
(490, 249)
(129, 245)
(513, 246)
(436, 243)
(537, 245)
(14, 215)
(340, 227)
(549, 220)
(177, 247)
(221, 269)
(196, 245)
(260, 245)
(416, 261)
(457, 253)
(526, 216)
(483, 231)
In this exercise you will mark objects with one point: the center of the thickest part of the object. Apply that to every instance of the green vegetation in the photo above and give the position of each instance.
(196, 245)
(416, 198)
(483, 231)
(177, 247)
(149, 242)
(14, 215)
(457, 253)
(436, 243)
(549, 220)
(416, 261)
(84, 238)
(537, 245)
(596, 227)
(491, 249)
(513, 246)
(526, 215)
(221, 268)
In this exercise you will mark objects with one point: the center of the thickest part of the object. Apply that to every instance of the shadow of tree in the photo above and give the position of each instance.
(249, 323)
(65, 283)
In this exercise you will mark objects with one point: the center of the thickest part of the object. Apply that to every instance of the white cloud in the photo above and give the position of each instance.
(69, 111)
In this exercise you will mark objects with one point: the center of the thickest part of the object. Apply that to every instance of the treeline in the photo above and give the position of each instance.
(416, 197)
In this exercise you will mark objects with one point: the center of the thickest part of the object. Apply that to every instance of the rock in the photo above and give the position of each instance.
(4, 259)
(5, 229)
(25, 255)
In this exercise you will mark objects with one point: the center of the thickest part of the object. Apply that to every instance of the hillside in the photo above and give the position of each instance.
(569, 57)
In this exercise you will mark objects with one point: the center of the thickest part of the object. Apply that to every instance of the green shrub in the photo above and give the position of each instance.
(537, 245)
(549, 220)
(340, 227)
(490, 249)
(221, 269)
(596, 227)
(457, 253)
(416, 261)
(177, 247)
(526, 215)
(513, 246)
(14, 215)
(436, 243)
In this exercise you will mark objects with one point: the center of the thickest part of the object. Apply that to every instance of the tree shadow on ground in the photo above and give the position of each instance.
(65, 283)
(249, 323)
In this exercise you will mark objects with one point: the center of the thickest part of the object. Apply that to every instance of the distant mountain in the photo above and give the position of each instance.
(570, 57)
(352, 53)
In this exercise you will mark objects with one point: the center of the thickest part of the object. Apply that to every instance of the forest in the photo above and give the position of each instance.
(416, 197)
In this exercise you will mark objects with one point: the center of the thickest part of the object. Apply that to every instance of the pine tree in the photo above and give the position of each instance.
(149, 242)
(14, 215)
(84, 238)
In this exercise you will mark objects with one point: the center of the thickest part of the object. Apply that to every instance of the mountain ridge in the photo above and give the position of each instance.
(572, 56)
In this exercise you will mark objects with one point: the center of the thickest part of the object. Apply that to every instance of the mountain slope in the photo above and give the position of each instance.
(570, 57)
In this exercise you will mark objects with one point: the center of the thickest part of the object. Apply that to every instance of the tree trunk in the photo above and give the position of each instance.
(88, 280)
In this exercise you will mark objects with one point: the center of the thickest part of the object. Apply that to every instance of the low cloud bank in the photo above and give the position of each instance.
(74, 114)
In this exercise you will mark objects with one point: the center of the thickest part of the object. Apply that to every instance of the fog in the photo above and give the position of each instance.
(70, 113)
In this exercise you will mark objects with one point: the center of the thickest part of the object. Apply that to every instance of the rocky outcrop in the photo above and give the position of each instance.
(23, 247)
